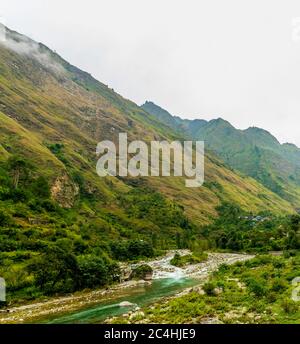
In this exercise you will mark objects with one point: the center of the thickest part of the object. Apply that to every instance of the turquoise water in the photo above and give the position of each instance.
(140, 296)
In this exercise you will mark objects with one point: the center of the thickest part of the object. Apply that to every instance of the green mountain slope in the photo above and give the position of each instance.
(58, 103)
(254, 151)
(54, 209)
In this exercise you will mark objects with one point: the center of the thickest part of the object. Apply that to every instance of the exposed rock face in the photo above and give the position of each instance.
(64, 191)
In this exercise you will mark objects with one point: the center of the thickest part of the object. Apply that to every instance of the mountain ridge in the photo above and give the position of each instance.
(127, 116)
(62, 227)
(254, 152)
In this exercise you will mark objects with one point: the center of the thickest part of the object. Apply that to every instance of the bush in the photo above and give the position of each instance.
(187, 260)
(256, 287)
(40, 188)
(55, 271)
(289, 306)
(278, 263)
(131, 250)
(95, 271)
(176, 260)
(209, 288)
(279, 285)
(5, 219)
(142, 272)
(271, 297)
(290, 253)
(257, 261)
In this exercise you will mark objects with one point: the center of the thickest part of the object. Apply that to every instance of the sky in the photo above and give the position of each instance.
(239, 60)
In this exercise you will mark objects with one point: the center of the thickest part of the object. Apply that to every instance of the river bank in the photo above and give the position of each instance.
(162, 270)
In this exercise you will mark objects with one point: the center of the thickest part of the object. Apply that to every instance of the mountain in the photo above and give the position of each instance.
(53, 102)
(176, 123)
(254, 151)
(58, 218)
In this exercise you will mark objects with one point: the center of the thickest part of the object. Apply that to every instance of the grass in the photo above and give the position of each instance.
(257, 291)
(54, 121)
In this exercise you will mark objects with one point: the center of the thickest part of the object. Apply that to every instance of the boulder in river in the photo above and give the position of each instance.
(126, 304)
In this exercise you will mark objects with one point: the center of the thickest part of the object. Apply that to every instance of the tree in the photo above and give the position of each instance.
(40, 187)
(56, 271)
(5, 218)
(295, 222)
(19, 168)
(292, 241)
(96, 271)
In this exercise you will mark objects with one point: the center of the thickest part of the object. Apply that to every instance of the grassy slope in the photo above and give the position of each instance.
(54, 115)
(75, 109)
(254, 152)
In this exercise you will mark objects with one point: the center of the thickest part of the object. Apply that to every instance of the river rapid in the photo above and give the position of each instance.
(97, 306)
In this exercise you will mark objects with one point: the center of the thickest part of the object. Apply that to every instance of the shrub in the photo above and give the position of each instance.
(256, 287)
(209, 288)
(289, 306)
(131, 250)
(271, 297)
(278, 263)
(176, 260)
(55, 271)
(5, 219)
(96, 271)
(279, 285)
(142, 272)
(40, 188)
(187, 260)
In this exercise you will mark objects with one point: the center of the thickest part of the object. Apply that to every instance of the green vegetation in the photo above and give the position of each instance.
(254, 151)
(256, 291)
(189, 259)
(142, 272)
(131, 250)
(62, 228)
(47, 250)
(237, 230)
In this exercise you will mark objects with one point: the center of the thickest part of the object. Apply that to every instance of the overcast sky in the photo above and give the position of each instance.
(236, 59)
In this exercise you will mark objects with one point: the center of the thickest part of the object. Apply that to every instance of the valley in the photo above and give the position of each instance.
(95, 306)
(67, 234)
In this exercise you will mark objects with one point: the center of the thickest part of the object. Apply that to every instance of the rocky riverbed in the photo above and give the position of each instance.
(161, 269)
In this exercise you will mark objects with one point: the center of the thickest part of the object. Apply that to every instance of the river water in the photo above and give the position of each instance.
(139, 296)
(167, 281)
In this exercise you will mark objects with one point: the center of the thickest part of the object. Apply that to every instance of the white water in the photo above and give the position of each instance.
(163, 269)
(168, 280)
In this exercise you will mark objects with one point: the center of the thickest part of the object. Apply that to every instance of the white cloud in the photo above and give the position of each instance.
(234, 59)
(24, 46)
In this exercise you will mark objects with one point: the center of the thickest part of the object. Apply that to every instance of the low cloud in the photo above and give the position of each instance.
(23, 45)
